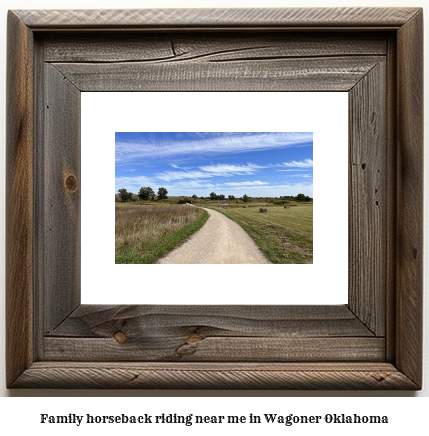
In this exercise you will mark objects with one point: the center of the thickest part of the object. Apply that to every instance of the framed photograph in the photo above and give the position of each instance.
(198, 101)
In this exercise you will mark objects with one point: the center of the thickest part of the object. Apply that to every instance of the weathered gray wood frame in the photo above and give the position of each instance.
(374, 342)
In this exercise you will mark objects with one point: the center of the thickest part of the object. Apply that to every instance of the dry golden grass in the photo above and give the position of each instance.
(145, 232)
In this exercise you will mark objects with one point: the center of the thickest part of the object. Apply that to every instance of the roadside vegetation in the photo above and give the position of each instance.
(146, 232)
(148, 226)
(284, 235)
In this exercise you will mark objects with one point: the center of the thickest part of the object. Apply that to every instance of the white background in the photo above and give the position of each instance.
(323, 113)
(21, 414)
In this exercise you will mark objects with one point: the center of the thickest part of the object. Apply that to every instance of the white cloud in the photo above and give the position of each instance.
(139, 180)
(307, 163)
(168, 176)
(193, 184)
(207, 144)
(304, 176)
(254, 183)
(273, 190)
(221, 170)
(226, 170)
(238, 191)
(200, 179)
(179, 168)
(132, 184)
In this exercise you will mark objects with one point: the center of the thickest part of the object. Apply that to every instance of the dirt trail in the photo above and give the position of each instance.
(219, 241)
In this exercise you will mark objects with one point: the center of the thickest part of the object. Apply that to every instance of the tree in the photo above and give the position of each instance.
(124, 194)
(162, 193)
(213, 196)
(246, 198)
(146, 193)
(300, 197)
(194, 196)
(221, 197)
(231, 197)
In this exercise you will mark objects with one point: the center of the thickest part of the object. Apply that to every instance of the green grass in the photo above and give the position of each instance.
(283, 235)
(145, 233)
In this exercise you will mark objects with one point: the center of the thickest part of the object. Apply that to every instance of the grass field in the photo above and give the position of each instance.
(144, 233)
(283, 235)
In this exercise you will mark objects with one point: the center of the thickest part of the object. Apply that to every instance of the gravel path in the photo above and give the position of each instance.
(219, 241)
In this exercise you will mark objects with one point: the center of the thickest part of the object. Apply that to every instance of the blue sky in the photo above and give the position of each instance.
(259, 164)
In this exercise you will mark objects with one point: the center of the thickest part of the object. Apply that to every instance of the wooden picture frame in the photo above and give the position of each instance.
(373, 342)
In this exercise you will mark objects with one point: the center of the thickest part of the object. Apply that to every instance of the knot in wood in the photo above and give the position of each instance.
(193, 338)
(120, 337)
(71, 183)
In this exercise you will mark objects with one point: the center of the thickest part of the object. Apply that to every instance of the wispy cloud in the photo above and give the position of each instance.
(150, 146)
(208, 171)
(254, 183)
(133, 184)
(138, 180)
(189, 163)
(226, 170)
(168, 176)
(178, 167)
(273, 190)
(270, 190)
(306, 163)
(303, 176)
(193, 184)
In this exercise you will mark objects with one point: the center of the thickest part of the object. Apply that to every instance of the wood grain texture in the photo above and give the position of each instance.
(213, 333)
(391, 192)
(301, 74)
(193, 348)
(302, 375)
(40, 261)
(207, 18)
(61, 186)
(99, 321)
(19, 189)
(168, 47)
(368, 201)
(410, 187)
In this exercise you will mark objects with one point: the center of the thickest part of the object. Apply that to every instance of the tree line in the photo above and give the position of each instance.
(147, 193)
(246, 198)
(144, 194)
(214, 196)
